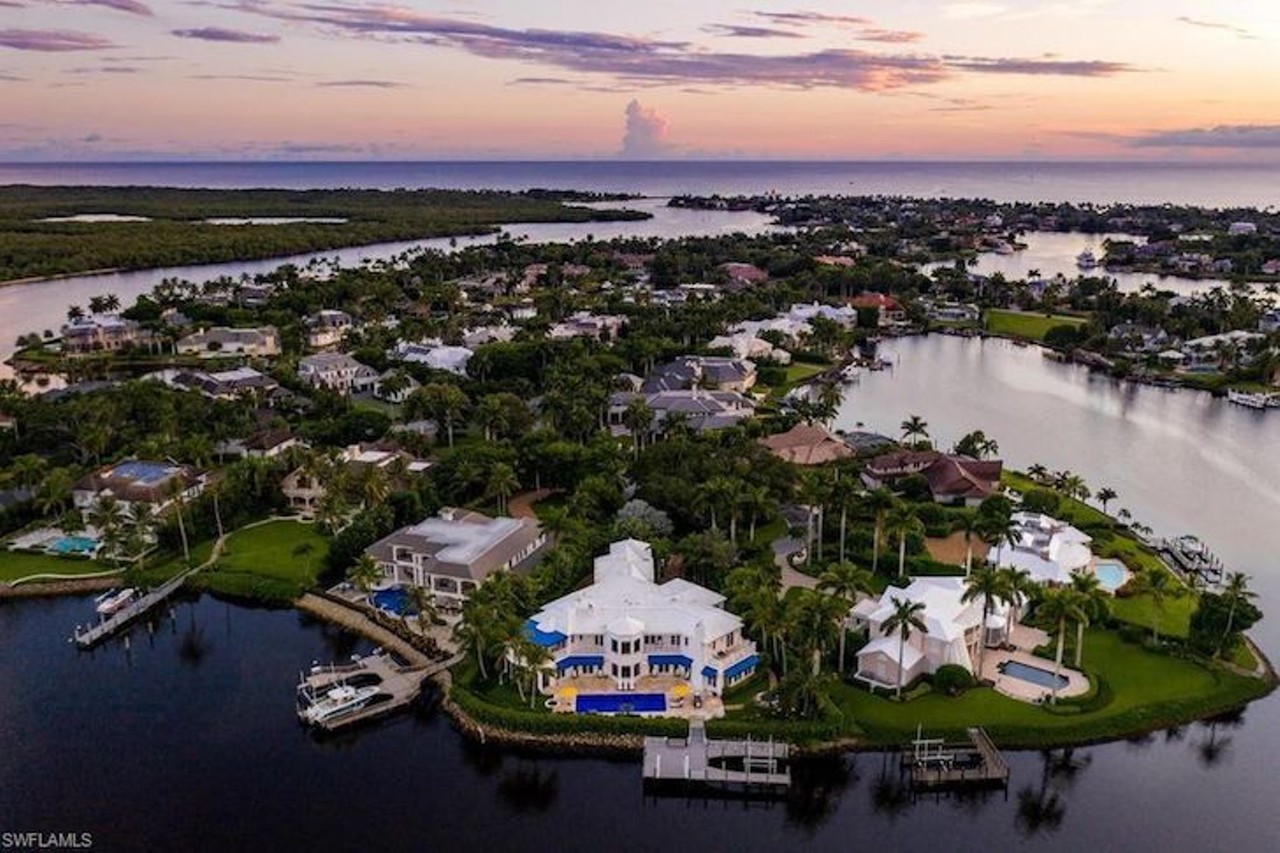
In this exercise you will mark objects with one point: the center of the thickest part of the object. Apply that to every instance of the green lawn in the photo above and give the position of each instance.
(1018, 324)
(278, 560)
(1138, 690)
(18, 565)
(1175, 615)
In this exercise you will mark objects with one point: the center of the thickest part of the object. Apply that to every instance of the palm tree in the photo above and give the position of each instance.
(364, 573)
(55, 491)
(902, 522)
(905, 619)
(1060, 605)
(1234, 592)
(1038, 472)
(175, 489)
(424, 604)
(756, 502)
(108, 516)
(969, 524)
(502, 485)
(1073, 486)
(844, 581)
(1094, 603)
(843, 492)
(880, 501)
(988, 584)
(915, 426)
(813, 620)
(1019, 587)
(1158, 585)
(1105, 496)
(638, 419)
(999, 530)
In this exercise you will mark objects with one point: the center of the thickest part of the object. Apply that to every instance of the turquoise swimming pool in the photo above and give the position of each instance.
(1111, 574)
(74, 545)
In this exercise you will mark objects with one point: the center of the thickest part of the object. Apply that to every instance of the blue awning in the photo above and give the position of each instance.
(671, 660)
(546, 639)
(708, 672)
(581, 661)
(741, 666)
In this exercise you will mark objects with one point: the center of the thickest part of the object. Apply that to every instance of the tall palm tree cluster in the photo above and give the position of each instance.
(493, 630)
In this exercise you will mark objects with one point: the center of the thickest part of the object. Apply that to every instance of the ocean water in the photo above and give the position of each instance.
(1216, 185)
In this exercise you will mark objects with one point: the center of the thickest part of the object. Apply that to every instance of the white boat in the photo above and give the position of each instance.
(1251, 399)
(114, 601)
(1086, 260)
(336, 702)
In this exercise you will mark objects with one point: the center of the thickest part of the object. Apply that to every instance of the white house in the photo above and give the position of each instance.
(625, 626)
(337, 372)
(1051, 550)
(433, 354)
(953, 631)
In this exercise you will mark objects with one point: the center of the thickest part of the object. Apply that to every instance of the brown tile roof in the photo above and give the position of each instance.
(804, 444)
(948, 476)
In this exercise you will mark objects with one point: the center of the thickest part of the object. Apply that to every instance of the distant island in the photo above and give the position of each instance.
(48, 232)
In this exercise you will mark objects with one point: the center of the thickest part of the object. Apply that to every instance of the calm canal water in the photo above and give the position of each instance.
(188, 741)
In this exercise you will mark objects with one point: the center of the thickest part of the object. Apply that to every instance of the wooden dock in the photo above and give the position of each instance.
(397, 687)
(727, 765)
(934, 763)
(89, 637)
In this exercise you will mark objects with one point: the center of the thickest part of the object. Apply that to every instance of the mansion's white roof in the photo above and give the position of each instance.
(625, 601)
(1050, 550)
(946, 616)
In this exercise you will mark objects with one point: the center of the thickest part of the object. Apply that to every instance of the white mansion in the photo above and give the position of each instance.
(625, 626)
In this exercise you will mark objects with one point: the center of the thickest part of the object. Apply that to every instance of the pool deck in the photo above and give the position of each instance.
(679, 702)
(1026, 638)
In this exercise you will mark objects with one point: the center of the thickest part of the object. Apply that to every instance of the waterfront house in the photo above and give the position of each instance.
(1135, 337)
(952, 636)
(954, 312)
(337, 372)
(888, 311)
(327, 328)
(807, 444)
(951, 479)
(103, 333)
(1049, 549)
(452, 553)
(222, 340)
(136, 481)
(628, 628)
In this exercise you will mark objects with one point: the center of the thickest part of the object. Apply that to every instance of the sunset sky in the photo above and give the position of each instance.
(541, 79)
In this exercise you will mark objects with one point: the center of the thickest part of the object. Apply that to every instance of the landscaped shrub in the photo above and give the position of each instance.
(952, 679)
(1041, 500)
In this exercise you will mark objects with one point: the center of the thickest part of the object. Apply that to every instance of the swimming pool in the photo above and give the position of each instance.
(1111, 574)
(620, 703)
(393, 600)
(74, 545)
(1033, 675)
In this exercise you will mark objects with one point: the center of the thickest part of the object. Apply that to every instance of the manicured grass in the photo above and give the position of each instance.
(1137, 690)
(16, 565)
(1174, 616)
(278, 560)
(1028, 326)
(800, 371)
(161, 567)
